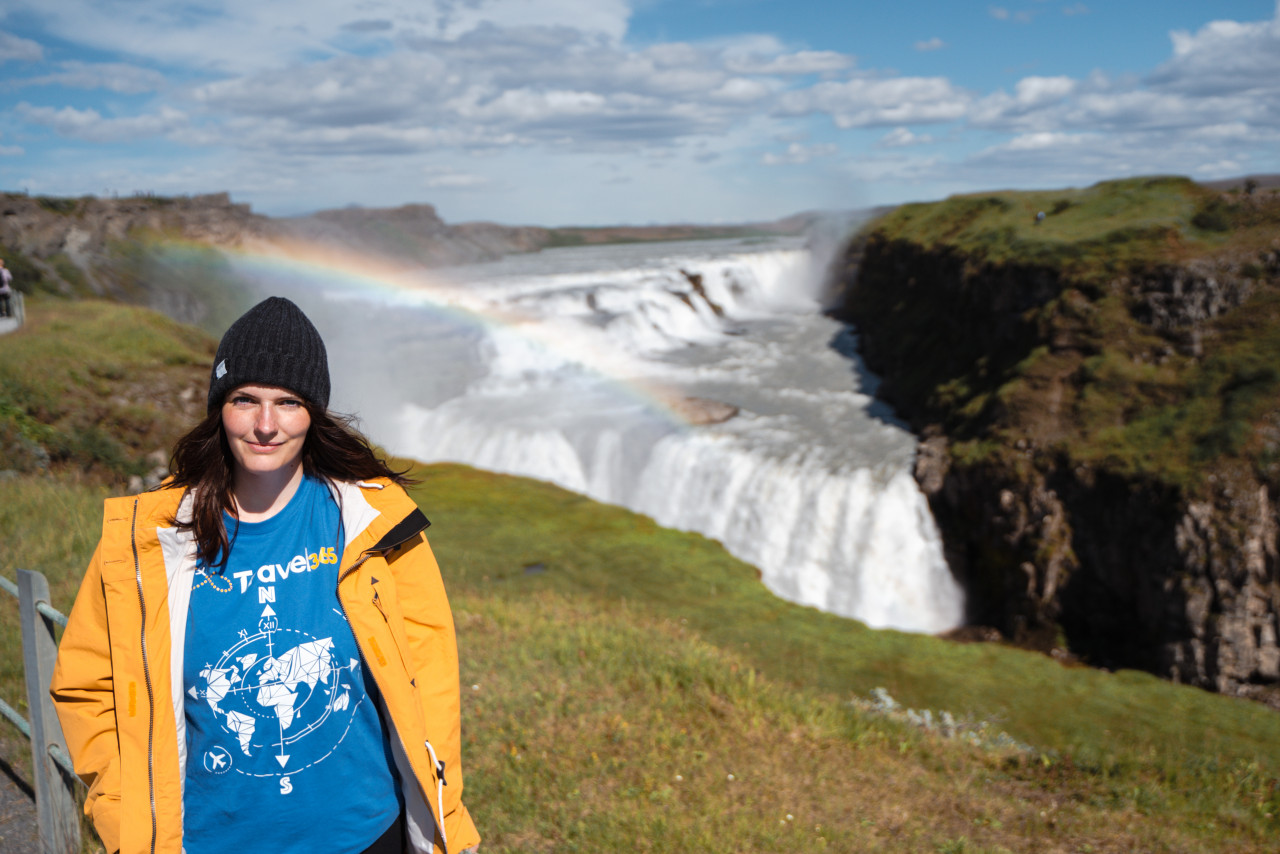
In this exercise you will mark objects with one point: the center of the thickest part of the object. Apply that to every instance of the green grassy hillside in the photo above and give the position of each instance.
(1109, 228)
(98, 387)
(631, 687)
(1135, 328)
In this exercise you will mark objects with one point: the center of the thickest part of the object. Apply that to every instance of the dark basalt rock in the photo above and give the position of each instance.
(1057, 549)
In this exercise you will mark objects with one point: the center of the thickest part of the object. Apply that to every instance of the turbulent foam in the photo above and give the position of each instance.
(809, 483)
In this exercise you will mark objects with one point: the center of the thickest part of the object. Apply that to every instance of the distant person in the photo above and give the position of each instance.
(6, 290)
(261, 657)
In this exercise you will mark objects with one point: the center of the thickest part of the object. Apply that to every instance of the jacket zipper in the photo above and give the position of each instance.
(146, 674)
(436, 763)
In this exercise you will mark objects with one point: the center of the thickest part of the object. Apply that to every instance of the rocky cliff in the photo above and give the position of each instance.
(112, 248)
(166, 253)
(413, 234)
(1096, 375)
(124, 249)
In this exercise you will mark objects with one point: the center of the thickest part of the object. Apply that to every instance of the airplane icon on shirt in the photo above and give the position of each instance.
(216, 760)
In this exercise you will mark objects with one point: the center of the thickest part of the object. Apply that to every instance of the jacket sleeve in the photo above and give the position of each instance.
(82, 690)
(433, 646)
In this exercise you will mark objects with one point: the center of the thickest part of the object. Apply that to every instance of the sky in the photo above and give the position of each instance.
(595, 112)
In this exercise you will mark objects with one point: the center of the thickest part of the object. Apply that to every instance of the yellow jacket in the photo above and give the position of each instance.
(118, 691)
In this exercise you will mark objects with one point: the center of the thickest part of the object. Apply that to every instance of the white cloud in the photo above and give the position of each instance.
(280, 93)
(525, 86)
(250, 35)
(1141, 108)
(896, 167)
(11, 151)
(1214, 36)
(802, 62)
(91, 126)
(798, 154)
(1222, 132)
(1075, 9)
(281, 138)
(1058, 158)
(1044, 140)
(369, 25)
(14, 48)
(1037, 102)
(902, 138)
(742, 90)
(1036, 91)
(448, 179)
(1000, 13)
(868, 102)
(1225, 57)
(606, 17)
(1102, 103)
(1220, 168)
(531, 105)
(344, 91)
(114, 76)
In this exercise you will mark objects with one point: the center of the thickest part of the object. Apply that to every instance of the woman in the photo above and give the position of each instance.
(261, 656)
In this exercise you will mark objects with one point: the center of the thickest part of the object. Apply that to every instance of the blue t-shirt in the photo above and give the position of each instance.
(281, 716)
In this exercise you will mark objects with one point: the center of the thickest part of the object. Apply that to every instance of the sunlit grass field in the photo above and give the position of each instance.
(1092, 231)
(629, 687)
(611, 699)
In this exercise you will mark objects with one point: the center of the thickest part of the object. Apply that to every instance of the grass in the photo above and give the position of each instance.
(628, 686)
(1104, 229)
(94, 385)
(27, 277)
(687, 578)
(1065, 354)
(607, 702)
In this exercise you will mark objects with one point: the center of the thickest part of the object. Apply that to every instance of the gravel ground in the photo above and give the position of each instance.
(18, 834)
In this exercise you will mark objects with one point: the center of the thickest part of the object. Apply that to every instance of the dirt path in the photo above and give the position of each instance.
(18, 833)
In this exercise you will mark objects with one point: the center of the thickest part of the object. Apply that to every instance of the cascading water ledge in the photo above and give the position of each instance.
(811, 482)
(860, 544)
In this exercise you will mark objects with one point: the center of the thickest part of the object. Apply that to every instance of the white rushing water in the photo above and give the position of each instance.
(549, 366)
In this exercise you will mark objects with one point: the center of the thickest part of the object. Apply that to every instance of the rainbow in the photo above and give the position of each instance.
(301, 267)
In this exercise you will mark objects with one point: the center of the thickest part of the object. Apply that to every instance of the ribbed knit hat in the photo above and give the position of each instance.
(272, 343)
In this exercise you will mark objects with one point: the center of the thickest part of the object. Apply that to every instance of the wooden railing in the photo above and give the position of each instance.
(57, 811)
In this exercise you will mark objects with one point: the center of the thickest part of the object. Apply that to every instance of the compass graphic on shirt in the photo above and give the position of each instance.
(281, 696)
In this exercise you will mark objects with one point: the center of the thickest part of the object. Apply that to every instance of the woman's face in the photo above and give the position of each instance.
(266, 427)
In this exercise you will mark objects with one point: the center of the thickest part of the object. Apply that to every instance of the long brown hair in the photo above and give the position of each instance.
(202, 463)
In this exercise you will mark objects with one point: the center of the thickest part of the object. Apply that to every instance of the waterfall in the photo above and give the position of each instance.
(573, 362)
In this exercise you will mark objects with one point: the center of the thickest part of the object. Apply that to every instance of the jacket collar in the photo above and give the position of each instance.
(406, 529)
(375, 518)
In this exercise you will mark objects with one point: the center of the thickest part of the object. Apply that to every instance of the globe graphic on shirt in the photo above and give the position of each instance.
(281, 695)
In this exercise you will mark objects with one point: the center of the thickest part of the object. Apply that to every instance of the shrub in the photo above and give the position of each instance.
(58, 205)
(1214, 216)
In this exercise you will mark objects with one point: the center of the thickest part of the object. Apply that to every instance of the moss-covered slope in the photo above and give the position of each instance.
(99, 388)
(627, 686)
(1097, 373)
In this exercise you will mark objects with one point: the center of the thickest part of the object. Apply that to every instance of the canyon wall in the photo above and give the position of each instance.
(1100, 410)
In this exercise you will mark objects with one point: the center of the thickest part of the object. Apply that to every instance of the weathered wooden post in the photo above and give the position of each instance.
(56, 808)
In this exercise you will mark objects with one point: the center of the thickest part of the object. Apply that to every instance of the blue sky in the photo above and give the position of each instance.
(560, 112)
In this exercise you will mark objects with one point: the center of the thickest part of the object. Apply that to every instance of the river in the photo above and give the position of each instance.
(698, 383)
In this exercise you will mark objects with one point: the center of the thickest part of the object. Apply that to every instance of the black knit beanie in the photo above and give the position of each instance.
(272, 343)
